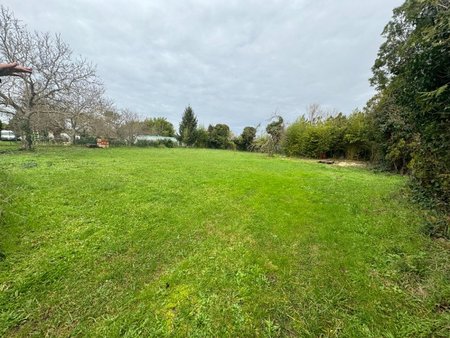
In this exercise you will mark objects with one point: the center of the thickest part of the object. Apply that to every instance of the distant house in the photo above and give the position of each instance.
(153, 138)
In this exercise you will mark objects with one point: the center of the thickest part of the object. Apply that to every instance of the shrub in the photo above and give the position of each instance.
(86, 140)
(156, 144)
(337, 136)
(118, 143)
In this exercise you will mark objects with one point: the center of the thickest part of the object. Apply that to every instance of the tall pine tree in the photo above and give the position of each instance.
(188, 127)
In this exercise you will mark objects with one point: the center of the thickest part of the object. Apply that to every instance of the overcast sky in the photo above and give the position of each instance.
(234, 62)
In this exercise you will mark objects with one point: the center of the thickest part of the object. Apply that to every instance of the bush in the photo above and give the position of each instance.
(86, 140)
(156, 144)
(260, 144)
(118, 143)
(336, 137)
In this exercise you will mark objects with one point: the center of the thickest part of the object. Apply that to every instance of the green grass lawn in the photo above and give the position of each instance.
(177, 242)
(8, 146)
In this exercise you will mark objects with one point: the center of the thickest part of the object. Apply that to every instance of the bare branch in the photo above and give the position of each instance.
(57, 80)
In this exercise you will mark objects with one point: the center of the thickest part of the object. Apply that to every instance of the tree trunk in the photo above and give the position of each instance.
(26, 128)
(73, 126)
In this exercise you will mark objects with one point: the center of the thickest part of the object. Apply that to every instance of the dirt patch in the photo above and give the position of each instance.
(350, 164)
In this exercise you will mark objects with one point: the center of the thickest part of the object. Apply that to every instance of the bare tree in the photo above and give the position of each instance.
(44, 123)
(130, 127)
(106, 121)
(80, 107)
(55, 73)
(314, 113)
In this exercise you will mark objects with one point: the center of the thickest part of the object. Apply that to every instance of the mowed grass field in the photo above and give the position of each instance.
(186, 242)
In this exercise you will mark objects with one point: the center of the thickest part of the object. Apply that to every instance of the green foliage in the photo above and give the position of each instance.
(156, 144)
(188, 127)
(339, 136)
(437, 225)
(86, 140)
(358, 137)
(116, 142)
(412, 107)
(202, 138)
(275, 129)
(219, 136)
(245, 140)
(158, 126)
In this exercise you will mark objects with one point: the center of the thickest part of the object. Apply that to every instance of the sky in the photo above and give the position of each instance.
(234, 61)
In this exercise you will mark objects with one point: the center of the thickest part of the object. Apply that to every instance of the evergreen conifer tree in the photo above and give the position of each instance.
(188, 127)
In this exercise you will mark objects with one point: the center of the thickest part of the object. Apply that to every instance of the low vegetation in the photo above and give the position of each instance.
(337, 136)
(177, 242)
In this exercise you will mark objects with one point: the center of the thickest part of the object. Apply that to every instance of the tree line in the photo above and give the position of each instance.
(315, 134)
